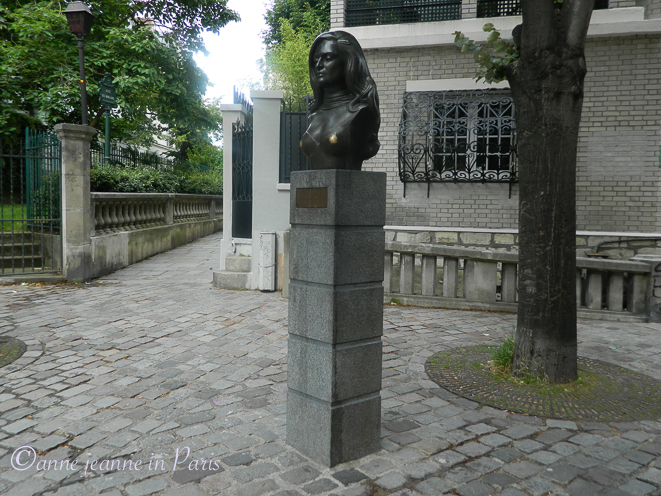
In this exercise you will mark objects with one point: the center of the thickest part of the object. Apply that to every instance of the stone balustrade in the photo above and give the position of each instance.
(429, 274)
(118, 212)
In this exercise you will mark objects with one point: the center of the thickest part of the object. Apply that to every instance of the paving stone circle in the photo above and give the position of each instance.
(622, 395)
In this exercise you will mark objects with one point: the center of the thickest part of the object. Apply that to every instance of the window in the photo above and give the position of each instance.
(372, 12)
(497, 8)
(457, 136)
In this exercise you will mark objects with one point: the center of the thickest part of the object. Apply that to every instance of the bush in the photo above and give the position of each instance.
(208, 182)
(118, 179)
(181, 179)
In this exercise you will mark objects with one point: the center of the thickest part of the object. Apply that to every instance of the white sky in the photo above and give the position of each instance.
(233, 53)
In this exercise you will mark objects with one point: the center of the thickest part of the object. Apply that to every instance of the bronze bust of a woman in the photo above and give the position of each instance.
(344, 114)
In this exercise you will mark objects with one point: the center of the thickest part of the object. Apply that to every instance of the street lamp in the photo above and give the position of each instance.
(79, 18)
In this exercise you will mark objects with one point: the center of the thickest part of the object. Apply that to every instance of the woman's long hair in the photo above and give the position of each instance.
(356, 74)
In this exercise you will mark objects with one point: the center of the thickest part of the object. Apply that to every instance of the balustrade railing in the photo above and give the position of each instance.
(437, 275)
(117, 212)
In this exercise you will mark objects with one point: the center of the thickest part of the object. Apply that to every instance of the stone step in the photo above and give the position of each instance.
(28, 261)
(18, 249)
(8, 278)
(225, 279)
(238, 263)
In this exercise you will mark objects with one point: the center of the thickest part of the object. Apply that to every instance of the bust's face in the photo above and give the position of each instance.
(328, 66)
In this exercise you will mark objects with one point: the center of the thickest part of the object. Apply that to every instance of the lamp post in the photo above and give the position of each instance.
(79, 18)
(108, 98)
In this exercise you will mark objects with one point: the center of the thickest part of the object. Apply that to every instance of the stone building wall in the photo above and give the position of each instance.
(618, 177)
(652, 8)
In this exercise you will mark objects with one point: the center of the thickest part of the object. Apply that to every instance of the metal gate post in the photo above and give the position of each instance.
(76, 208)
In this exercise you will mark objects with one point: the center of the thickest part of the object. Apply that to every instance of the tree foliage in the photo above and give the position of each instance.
(492, 57)
(288, 42)
(146, 46)
(297, 12)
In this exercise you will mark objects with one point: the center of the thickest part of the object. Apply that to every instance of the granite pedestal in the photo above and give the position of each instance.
(337, 247)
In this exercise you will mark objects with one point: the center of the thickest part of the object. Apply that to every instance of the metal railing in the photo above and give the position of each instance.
(30, 204)
(293, 124)
(498, 8)
(372, 12)
(428, 274)
(131, 157)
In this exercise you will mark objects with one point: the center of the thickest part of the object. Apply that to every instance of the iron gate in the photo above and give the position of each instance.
(242, 180)
(30, 209)
(293, 124)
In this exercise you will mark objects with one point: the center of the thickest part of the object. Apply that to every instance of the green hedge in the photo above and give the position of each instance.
(120, 179)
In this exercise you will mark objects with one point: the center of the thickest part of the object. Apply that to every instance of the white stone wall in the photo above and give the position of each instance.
(337, 13)
(619, 178)
(652, 7)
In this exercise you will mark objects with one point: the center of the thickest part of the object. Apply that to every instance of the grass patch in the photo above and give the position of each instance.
(500, 367)
(503, 356)
(12, 212)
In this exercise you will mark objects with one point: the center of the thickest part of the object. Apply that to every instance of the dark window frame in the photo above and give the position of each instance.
(379, 12)
(457, 136)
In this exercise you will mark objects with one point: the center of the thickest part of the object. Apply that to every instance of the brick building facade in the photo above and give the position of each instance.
(618, 172)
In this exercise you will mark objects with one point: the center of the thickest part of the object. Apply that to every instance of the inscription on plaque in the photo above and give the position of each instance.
(312, 198)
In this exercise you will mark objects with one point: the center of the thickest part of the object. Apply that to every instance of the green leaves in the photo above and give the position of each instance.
(299, 13)
(491, 63)
(287, 61)
(159, 87)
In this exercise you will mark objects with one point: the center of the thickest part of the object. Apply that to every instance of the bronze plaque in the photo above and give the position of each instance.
(311, 197)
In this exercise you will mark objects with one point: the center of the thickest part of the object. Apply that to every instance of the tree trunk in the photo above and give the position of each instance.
(547, 88)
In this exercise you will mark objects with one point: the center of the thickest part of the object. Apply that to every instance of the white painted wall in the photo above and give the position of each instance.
(270, 207)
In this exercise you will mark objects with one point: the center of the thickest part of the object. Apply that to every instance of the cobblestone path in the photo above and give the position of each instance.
(151, 366)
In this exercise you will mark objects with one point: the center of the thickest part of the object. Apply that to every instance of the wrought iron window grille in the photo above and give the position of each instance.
(498, 8)
(457, 136)
(374, 12)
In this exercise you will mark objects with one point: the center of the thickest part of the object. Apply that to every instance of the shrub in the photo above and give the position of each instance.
(118, 179)
(179, 179)
(198, 182)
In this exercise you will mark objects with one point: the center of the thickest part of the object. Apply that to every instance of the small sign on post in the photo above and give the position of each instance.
(107, 92)
(108, 98)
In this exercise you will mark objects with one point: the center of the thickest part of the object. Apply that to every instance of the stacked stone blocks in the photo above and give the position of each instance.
(336, 314)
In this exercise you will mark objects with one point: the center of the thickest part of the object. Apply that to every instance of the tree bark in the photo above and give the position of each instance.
(547, 88)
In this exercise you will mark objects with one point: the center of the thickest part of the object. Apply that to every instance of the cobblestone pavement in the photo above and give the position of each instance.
(151, 366)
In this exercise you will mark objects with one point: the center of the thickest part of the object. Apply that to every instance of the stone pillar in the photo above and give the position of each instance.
(480, 280)
(231, 113)
(270, 204)
(77, 223)
(469, 9)
(337, 246)
(338, 14)
(654, 288)
(169, 209)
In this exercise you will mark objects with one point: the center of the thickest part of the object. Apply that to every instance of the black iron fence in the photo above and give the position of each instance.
(371, 12)
(132, 158)
(293, 123)
(242, 139)
(498, 8)
(30, 210)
